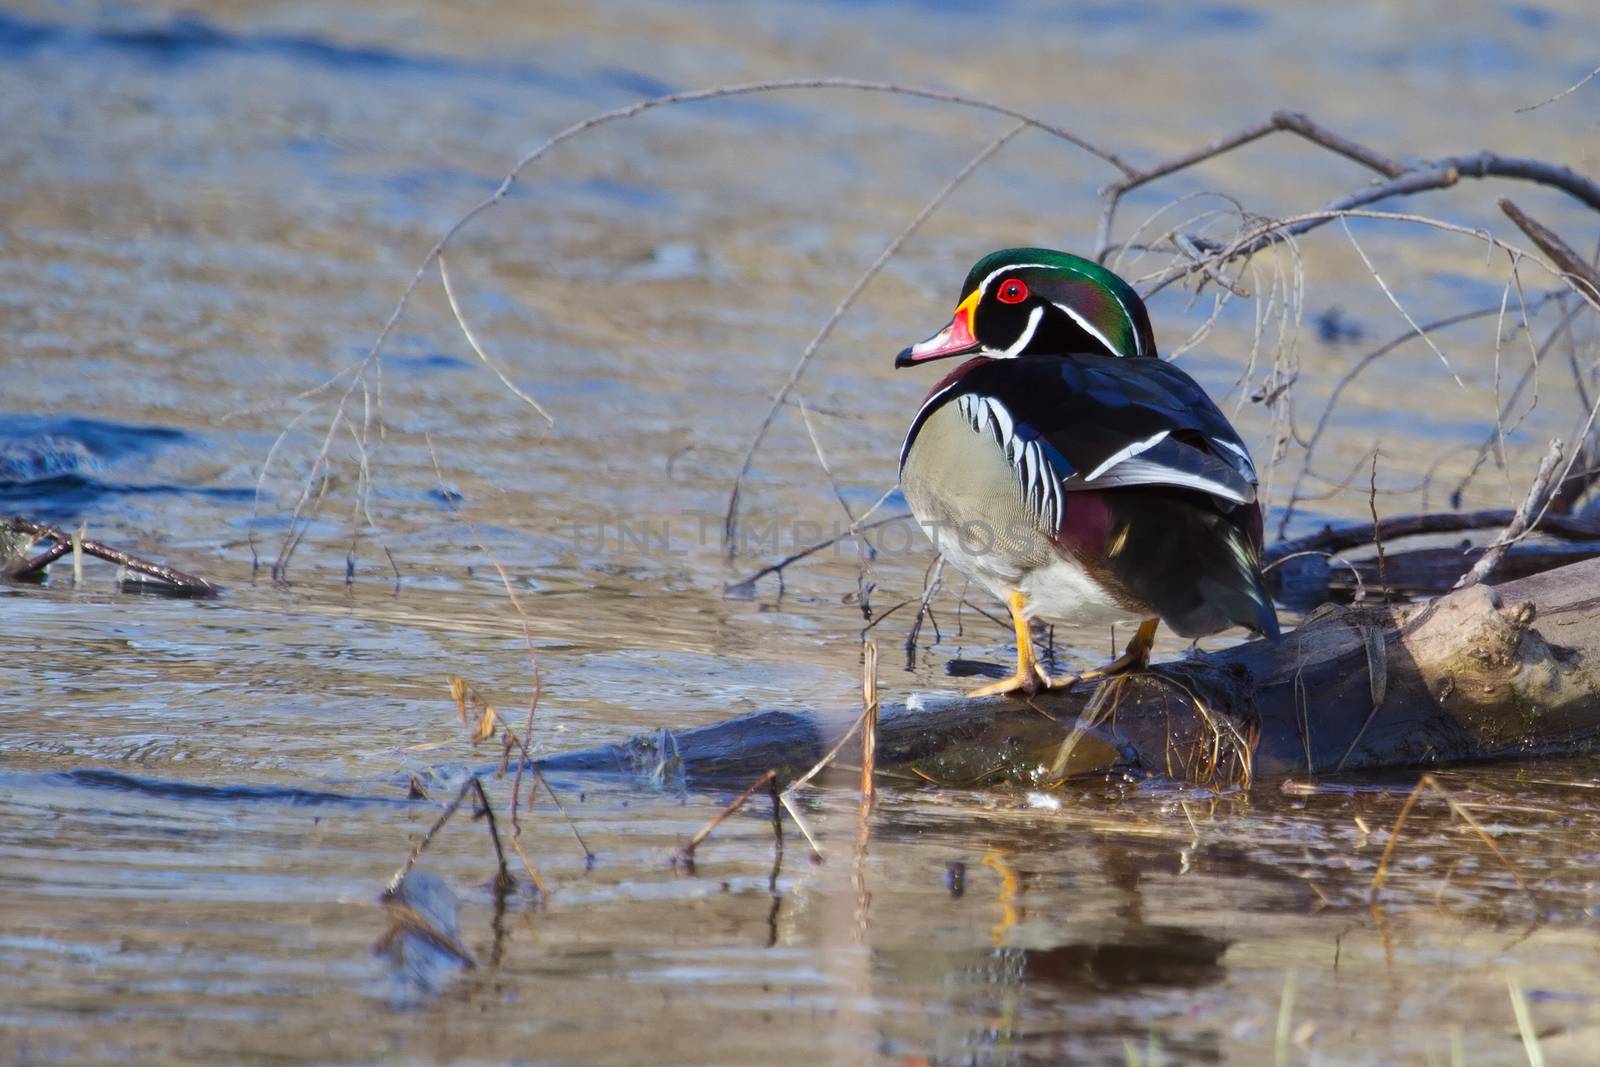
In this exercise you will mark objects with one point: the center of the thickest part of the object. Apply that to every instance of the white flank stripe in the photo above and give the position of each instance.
(1128, 453)
(1002, 422)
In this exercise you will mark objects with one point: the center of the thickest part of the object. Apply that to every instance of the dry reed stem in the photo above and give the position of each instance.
(685, 855)
(799, 820)
(527, 637)
(869, 760)
(1428, 781)
(869, 724)
(831, 754)
(1519, 1008)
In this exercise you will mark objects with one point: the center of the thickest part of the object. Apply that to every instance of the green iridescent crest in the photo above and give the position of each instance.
(1095, 296)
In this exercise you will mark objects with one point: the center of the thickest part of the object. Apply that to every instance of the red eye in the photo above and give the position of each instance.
(1012, 291)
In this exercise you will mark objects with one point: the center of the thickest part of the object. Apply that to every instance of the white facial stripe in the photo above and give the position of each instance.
(1126, 453)
(983, 286)
(1034, 318)
(1138, 345)
(1087, 328)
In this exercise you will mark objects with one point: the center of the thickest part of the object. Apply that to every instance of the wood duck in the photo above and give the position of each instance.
(1073, 472)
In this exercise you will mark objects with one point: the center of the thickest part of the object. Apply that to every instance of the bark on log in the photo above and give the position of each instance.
(1484, 673)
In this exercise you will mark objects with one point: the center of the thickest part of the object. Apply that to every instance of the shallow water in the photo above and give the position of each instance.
(203, 215)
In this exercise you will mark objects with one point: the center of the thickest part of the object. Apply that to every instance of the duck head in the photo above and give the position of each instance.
(1037, 301)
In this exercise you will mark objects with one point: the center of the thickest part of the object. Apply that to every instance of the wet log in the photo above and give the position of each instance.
(1487, 672)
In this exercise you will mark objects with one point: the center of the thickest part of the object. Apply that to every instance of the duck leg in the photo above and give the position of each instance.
(1136, 657)
(1030, 677)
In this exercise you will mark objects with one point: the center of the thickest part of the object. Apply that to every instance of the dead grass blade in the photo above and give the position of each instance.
(1429, 782)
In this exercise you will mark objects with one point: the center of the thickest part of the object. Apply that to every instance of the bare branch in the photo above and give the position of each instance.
(1551, 244)
(1520, 522)
(370, 360)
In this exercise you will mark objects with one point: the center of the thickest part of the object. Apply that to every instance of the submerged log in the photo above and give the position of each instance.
(1307, 571)
(1511, 671)
(19, 535)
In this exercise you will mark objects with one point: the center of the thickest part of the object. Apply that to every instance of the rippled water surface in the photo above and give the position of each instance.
(208, 211)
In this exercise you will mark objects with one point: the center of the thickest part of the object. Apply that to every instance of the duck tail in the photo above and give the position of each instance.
(1262, 617)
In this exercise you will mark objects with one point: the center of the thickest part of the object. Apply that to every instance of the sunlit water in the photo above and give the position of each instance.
(206, 214)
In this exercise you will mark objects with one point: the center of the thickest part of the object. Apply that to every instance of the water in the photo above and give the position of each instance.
(208, 212)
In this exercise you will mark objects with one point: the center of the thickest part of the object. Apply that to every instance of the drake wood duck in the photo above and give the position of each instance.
(1075, 474)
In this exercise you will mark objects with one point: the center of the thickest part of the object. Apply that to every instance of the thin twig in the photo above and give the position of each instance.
(799, 820)
(468, 786)
(1519, 1008)
(1427, 338)
(540, 779)
(1520, 522)
(685, 855)
(1361, 365)
(1569, 90)
(527, 638)
(1288, 121)
(746, 586)
(1285, 229)
(822, 764)
(1530, 374)
(1377, 527)
(731, 517)
(466, 331)
(932, 582)
(372, 358)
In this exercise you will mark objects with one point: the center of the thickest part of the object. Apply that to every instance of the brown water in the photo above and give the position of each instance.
(204, 215)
